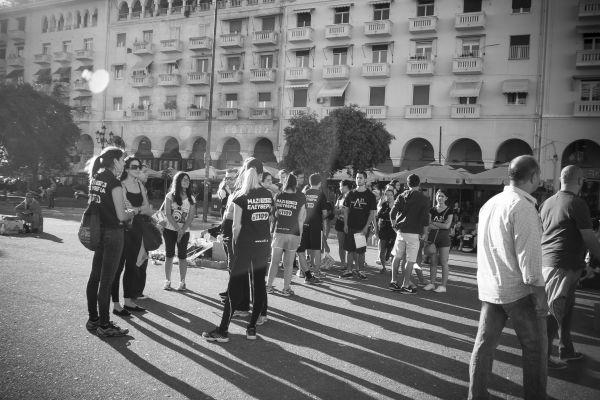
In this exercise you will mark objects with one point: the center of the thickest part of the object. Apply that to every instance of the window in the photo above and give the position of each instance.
(20, 51)
(2, 53)
(591, 41)
(117, 104)
(470, 6)
(235, 26)
(420, 95)
(121, 39)
(341, 15)
(340, 56)
(45, 48)
(264, 99)
(425, 8)
(231, 100)
(303, 19)
(144, 101)
(172, 68)
(423, 50)
(171, 102)
(268, 23)
(302, 58)
(204, 29)
(377, 96)
(88, 44)
(66, 46)
(21, 23)
(200, 65)
(467, 100)
(516, 98)
(266, 61)
(590, 91)
(381, 12)
(4, 25)
(521, 6)
(338, 101)
(519, 47)
(147, 36)
(234, 63)
(118, 72)
(174, 32)
(200, 100)
(380, 53)
(470, 48)
(300, 97)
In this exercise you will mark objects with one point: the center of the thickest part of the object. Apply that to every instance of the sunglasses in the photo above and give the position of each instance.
(229, 178)
(135, 166)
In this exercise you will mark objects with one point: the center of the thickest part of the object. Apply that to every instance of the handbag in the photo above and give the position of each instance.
(430, 248)
(89, 229)
(151, 234)
(160, 218)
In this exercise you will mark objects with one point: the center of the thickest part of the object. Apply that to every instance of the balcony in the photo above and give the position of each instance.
(375, 112)
(296, 111)
(17, 35)
(262, 38)
(139, 81)
(116, 115)
(198, 78)
(326, 111)
(82, 113)
(587, 58)
(226, 77)
(467, 65)
(465, 110)
(140, 115)
(63, 57)
(84, 54)
(299, 74)
(418, 112)
(338, 31)
(170, 45)
(167, 115)
(589, 8)
(227, 114)
(142, 48)
(14, 60)
(419, 67)
(422, 24)
(231, 40)
(262, 113)
(520, 52)
(378, 28)
(196, 114)
(263, 75)
(474, 20)
(81, 86)
(304, 34)
(42, 59)
(586, 109)
(336, 72)
(200, 43)
(376, 70)
(169, 80)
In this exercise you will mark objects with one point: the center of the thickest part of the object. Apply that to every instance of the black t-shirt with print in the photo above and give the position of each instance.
(288, 207)
(440, 217)
(315, 204)
(256, 208)
(360, 205)
(100, 190)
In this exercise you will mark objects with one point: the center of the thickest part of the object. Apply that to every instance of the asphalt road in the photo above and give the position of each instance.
(343, 339)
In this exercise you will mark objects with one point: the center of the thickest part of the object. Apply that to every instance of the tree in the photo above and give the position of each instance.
(35, 129)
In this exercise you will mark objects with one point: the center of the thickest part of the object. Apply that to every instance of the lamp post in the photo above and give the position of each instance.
(101, 137)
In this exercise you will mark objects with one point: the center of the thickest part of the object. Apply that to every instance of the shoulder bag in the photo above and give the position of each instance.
(430, 247)
(89, 229)
(159, 217)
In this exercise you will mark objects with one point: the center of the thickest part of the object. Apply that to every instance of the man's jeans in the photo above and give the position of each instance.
(531, 332)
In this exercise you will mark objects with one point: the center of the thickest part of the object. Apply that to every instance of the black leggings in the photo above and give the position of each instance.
(170, 242)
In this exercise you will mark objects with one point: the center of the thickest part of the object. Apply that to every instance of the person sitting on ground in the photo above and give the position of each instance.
(30, 211)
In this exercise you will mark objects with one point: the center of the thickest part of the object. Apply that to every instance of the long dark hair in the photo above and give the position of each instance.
(128, 162)
(106, 159)
(290, 183)
(176, 188)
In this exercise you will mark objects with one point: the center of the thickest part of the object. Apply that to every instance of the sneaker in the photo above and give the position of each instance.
(312, 280)
(240, 313)
(261, 320)
(320, 274)
(287, 292)
(383, 270)
(181, 286)
(167, 285)
(300, 273)
(556, 364)
(573, 356)
(394, 286)
(346, 274)
(142, 297)
(223, 295)
(270, 290)
(429, 286)
(111, 330)
(378, 262)
(440, 289)
(215, 336)
(360, 275)
(92, 325)
(408, 290)
(251, 333)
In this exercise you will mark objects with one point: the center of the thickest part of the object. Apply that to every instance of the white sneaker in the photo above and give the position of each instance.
(167, 285)
(242, 314)
(181, 286)
(300, 274)
(270, 290)
(261, 320)
(440, 289)
(429, 286)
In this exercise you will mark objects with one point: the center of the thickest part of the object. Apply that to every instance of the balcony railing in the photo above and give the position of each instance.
(520, 52)
(141, 48)
(587, 109)
(196, 114)
(375, 112)
(170, 45)
(338, 31)
(336, 72)
(230, 40)
(259, 75)
(299, 74)
(264, 38)
(378, 28)
(42, 59)
(167, 115)
(587, 58)
(82, 115)
(418, 111)
(326, 111)
(376, 70)
(296, 111)
(225, 77)
(200, 43)
(473, 20)
(84, 54)
(15, 61)
(116, 115)
(169, 80)
(17, 34)
(465, 110)
(140, 115)
(261, 113)
(63, 57)
(227, 113)
(81, 86)
(589, 8)
(300, 34)
(423, 67)
(198, 78)
(141, 81)
(423, 24)
(467, 65)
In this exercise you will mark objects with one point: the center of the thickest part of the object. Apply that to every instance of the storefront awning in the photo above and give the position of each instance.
(141, 65)
(298, 86)
(43, 71)
(15, 73)
(465, 89)
(84, 67)
(333, 89)
(515, 86)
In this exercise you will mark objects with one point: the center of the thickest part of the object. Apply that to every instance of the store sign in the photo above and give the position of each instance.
(591, 173)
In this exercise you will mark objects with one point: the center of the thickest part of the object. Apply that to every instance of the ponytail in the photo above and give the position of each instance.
(106, 159)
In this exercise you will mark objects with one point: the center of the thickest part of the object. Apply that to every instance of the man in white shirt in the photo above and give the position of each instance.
(510, 281)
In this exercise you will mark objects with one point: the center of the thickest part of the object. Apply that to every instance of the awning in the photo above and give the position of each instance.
(83, 96)
(170, 61)
(341, 5)
(339, 46)
(374, 2)
(141, 65)
(293, 50)
(465, 89)
(298, 86)
(515, 86)
(333, 89)
(43, 71)
(387, 42)
(62, 71)
(15, 73)
(303, 11)
(84, 67)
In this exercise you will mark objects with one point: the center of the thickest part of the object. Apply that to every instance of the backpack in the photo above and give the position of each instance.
(89, 229)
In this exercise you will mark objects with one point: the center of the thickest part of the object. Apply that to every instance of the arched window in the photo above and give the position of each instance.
(77, 20)
(95, 17)
(86, 18)
(61, 23)
(123, 11)
(44, 24)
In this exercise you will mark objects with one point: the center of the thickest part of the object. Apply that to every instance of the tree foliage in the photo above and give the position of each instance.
(35, 129)
(344, 138)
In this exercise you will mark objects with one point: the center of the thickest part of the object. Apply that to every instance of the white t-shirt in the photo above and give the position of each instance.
(180, 213)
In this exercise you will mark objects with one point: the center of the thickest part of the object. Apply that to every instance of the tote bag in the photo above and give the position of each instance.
(160, 218)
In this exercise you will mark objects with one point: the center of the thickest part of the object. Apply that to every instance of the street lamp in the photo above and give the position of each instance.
(101, 137)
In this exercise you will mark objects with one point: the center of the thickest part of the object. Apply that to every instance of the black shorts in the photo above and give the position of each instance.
(350, 245)
(441, 237)
(170, 242)
(311, 238)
